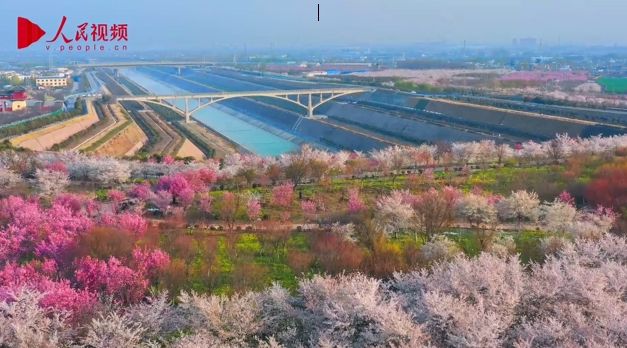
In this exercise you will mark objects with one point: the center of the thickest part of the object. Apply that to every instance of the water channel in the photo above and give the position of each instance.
(255, 139)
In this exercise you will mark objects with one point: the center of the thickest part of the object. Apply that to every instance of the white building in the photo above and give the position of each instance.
(52, 81)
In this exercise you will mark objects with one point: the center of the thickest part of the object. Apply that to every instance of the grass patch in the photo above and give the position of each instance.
(613, 84)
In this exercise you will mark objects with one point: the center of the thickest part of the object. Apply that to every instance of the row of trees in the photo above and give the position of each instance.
(311, 164)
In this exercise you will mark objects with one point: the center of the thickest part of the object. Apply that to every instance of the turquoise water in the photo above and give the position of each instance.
(243, 133)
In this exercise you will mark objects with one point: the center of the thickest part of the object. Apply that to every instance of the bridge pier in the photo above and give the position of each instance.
(179, 70)
(116, 73)
(187, 113)
(310, 108)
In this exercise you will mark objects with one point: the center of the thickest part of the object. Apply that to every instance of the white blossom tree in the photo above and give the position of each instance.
(478, 210)
(393, 214)
(23, 323)
(49, 182)
(8, 178)
(520, 206)
(558, 216)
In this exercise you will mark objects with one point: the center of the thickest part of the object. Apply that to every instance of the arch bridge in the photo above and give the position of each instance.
(206, 99)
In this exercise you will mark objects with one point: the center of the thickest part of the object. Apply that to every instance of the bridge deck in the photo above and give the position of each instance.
(129, 64)
(247, 94)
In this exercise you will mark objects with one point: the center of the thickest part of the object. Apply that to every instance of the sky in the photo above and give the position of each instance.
(203, 24)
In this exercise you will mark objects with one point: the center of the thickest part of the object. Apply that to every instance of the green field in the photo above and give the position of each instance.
(613, 84)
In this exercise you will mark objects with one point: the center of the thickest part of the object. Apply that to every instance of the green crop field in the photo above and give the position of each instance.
(613, 84)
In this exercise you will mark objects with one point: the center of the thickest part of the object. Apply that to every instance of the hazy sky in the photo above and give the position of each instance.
(155, 24)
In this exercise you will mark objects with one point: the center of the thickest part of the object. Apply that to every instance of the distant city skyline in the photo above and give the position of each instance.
(195, 24)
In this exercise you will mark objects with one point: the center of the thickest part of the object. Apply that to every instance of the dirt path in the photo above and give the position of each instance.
(216, 225)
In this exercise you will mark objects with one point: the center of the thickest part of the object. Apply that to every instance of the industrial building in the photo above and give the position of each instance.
(53, 81)
(13, 99)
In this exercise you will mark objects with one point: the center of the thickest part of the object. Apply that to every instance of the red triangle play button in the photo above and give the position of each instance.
(27, 32)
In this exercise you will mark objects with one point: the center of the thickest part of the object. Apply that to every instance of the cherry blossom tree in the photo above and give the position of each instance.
(127, 221)
(308, 208)
(393, 213)
(8, 179)
(26, 324)
(116, 196)
(204, 201)
(558, 215)
(56, 166)
(282, 195)
(162, 200)
(49, 182)
(439, 249)
(253, 208)
(167, 159)
(177, 185)
(140, 191)
(565, 197)
(478, 210)
(229, 205)
(111, 278)
(520, 206)
(344, 231)
(355, 203)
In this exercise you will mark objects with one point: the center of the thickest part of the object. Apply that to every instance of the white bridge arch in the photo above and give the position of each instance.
(216, 97)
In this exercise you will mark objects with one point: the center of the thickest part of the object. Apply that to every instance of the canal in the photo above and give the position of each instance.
(243, 133)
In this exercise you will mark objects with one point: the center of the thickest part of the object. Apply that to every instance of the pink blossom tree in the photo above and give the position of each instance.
(229, 204)
(162, 200)
(204, 203)
(150, 263)
(57, 294)
(167, 159)
(282, 195)
(253, 208)
(132, 222)
(140, 191)
(111, 278)
(355, 203)
(308, 208)
(57, 166)
(565, 197)
(176, 184)
(116, 196)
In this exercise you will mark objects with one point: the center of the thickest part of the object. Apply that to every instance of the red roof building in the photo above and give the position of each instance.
(13, 99)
